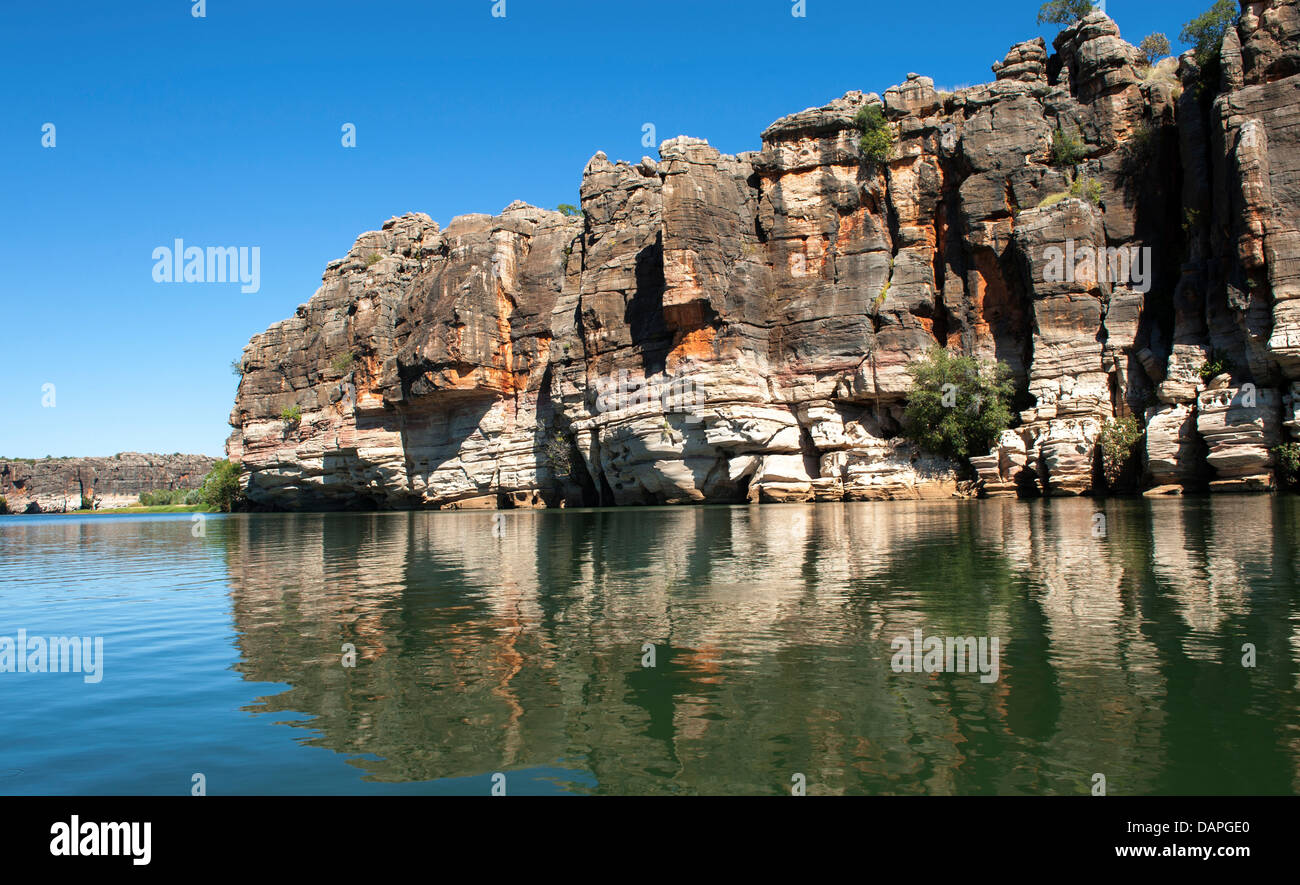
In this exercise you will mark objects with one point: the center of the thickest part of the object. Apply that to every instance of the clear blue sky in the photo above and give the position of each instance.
(225, 131)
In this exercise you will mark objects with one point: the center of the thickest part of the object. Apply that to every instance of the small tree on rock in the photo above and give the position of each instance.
(959, 405)
(1154, 47)
(1205, 32)
(1119, 450)
(1063, 12)
(220, 488)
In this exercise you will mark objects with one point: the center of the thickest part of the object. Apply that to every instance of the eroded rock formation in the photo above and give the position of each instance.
(58, 485)
(731, 328)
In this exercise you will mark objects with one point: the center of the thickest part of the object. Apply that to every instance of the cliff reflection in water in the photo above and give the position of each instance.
(772, 626)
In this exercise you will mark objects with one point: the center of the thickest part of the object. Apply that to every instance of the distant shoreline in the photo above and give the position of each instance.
(121, 511)
(1099, 500)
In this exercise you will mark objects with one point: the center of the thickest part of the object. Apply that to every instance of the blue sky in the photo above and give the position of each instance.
(226, 131)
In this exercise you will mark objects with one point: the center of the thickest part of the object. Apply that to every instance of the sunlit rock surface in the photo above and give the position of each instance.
(738, 328)
(59, 485)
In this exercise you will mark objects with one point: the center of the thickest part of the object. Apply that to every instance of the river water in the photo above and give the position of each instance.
(715, 650)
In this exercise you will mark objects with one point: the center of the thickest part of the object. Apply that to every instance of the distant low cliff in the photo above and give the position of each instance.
(57, 485)
(731, 328)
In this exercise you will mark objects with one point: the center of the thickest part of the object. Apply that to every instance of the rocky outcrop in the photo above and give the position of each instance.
(739, 328)
(1240, 428)
(1237, 299)
(58, 485)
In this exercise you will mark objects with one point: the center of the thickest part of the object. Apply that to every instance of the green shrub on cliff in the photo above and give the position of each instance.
(877, 141)
(1287, 458)
(1063, 12)
(1086, 188)
(1067, 149)
(4, 505)
(959, 405)
(342, 363)
(220, 489)
(1205, 35)
(291, 415)
(1119, 451)
(1215, 367)
(88, 502)
(1083, 187)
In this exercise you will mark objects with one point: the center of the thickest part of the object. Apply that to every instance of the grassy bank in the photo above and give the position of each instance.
(130, 511)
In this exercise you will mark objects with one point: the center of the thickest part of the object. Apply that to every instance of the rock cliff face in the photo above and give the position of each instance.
(732, 328)
(57, 485)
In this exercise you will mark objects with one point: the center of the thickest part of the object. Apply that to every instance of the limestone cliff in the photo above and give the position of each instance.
(57, 485)
(730, 328)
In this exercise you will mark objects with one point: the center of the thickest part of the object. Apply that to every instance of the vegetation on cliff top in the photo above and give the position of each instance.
(1154, 47)
(1205, 32)
(877, 141)
(1063, 12)
(1205, 35)
(959, 405)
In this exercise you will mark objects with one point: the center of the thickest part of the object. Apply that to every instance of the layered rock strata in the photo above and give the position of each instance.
(739, 328)
(59, 485)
